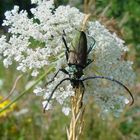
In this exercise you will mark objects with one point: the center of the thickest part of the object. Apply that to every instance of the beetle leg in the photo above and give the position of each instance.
(54, 91)
(89, 61)
(113, 80)
(66, 46)
(91, 46)
(62, 70)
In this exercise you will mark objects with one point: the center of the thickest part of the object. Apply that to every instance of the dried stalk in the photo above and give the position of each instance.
(85, 21)
(77, 119)
(12, 90)
(77, 108)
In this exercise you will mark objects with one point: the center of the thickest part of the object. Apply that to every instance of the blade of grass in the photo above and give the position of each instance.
(27, 90)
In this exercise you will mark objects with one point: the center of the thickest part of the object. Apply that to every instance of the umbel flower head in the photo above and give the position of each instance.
(37, 44)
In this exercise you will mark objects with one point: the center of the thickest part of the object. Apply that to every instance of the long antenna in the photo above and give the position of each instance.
(114, 80)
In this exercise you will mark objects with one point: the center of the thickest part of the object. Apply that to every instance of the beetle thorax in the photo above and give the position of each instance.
(72, 70)
(75, 72)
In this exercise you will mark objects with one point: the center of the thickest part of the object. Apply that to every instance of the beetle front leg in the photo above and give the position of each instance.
(66, 46)
(62, 70)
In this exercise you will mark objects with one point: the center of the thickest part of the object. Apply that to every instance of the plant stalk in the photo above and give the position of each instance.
(77, 113)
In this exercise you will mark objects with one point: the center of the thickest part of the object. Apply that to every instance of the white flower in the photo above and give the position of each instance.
(126, 101)
(66, 110)
(35, 73)
(35, 1)
(38, 91)
(49, 106)
(36, 43)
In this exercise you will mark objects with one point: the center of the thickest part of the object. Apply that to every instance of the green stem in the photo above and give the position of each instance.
(26, 91)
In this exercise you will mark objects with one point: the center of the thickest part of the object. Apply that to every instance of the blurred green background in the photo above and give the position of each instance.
(26, 120)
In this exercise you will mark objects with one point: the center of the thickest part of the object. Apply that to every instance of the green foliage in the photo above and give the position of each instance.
(36, 43)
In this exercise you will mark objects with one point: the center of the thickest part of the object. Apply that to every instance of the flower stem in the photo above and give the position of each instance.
(77, 121)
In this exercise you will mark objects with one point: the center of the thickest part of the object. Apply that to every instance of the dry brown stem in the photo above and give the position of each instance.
(77, 108)
(85, 21)
(12, 90)
(77, 120)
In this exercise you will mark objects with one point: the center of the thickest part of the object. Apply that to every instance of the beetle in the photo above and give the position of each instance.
(77, 61)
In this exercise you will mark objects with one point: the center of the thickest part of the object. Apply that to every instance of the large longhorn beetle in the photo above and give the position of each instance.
(77, 61)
